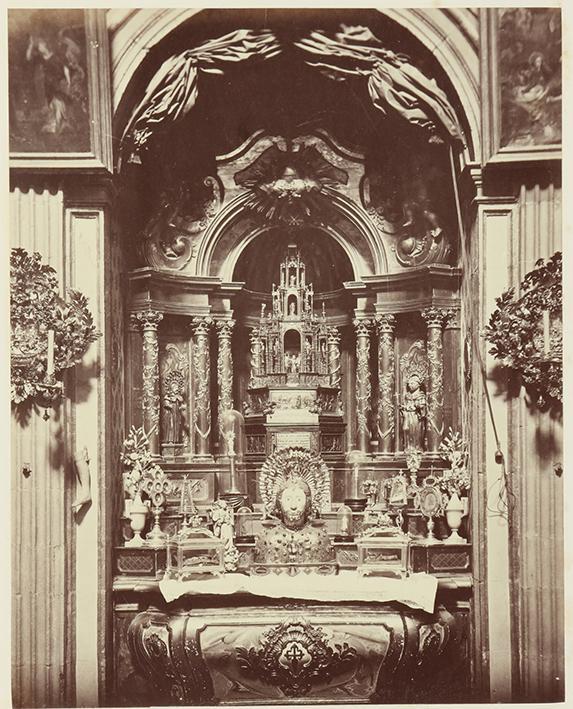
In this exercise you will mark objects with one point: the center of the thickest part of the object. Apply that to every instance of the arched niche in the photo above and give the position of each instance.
(235, 228)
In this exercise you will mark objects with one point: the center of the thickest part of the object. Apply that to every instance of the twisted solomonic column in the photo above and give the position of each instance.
(386, 382)
(225, 366)
(201, 385)
(148, 321)
(435, 319)
(363, 386)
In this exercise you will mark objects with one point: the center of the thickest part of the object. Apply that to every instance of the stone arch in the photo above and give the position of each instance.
(234, 228)
(452, 36)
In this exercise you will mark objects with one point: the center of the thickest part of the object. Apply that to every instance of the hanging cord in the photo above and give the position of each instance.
(502, 505)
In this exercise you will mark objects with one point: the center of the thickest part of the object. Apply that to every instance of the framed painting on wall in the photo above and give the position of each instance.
(521, 83)
(58, 75)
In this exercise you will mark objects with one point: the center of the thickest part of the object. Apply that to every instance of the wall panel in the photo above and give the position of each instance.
(41, 514)
(537, 519)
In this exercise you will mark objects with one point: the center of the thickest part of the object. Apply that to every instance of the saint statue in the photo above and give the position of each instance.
(173, 406)
(413, 412)
(292, 308)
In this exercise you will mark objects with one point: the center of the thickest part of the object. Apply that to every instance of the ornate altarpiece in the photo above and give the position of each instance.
(347, 359)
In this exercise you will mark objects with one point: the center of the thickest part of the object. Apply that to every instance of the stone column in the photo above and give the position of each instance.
(224, 368)
(435, 318)
(201, 386)
(334, 356)
(148, 321)
(386, 382)
(363, 386)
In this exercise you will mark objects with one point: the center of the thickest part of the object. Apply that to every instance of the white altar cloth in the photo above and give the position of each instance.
(416, 591)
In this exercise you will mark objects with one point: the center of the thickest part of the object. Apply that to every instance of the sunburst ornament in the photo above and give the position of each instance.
(294, 464)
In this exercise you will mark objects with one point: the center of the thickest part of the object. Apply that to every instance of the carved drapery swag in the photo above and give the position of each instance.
(173, 91)
(393, 81)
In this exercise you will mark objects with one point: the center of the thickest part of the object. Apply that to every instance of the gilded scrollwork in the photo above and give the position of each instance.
(386, 380)
(171, 236)
(334, 356)
(148, 322)
(435, 319)
(201, 371)
(294, 656)
(225, 366)
(363, 384)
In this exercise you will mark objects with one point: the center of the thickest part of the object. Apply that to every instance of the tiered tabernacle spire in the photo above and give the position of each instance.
(291, 342)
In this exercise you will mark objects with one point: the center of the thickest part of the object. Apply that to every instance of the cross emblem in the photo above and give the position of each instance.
(294, 653)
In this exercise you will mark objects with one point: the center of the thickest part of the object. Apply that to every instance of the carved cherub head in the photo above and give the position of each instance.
(294, 502)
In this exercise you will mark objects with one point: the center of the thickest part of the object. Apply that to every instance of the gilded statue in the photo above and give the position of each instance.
(413, 410)
(174, 407)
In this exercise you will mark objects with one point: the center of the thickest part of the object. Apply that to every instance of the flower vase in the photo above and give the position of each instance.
(455, 510)
(138, 515)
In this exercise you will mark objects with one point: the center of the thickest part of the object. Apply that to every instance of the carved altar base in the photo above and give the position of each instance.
(279, 653)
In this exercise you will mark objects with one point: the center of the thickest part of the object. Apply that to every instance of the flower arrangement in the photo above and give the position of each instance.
(456, 480)
(138, 460)
(527, 332)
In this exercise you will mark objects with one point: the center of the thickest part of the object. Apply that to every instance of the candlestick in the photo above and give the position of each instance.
(50, 363)
(546, 333)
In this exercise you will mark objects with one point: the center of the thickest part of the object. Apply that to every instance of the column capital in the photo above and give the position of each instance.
(201, 325)
(362, 326)
(146, 319)
(452, 318)
(434, 317)
(386, 323)
(333, 335)
(224, 327)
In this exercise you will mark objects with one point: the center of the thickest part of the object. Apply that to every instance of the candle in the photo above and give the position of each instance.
(50, 366)
(546, 336)
(354, 485)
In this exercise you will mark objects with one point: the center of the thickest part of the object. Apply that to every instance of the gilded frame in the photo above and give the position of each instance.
(492, 149)
(100, 155)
